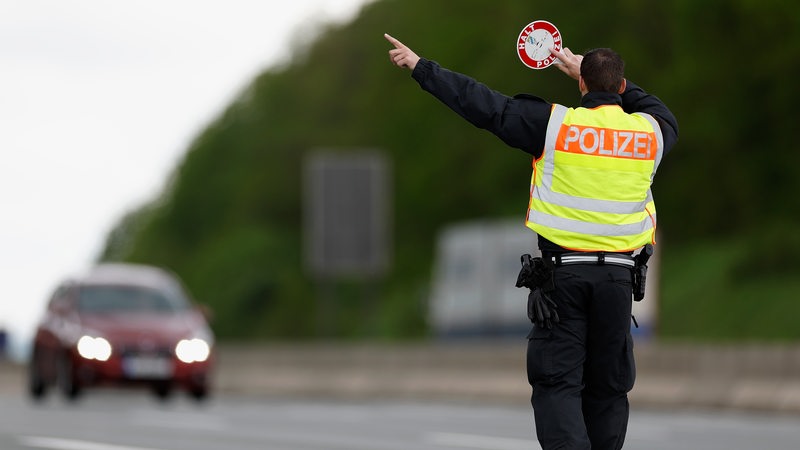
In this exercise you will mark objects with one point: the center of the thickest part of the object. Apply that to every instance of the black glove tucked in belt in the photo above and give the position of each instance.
(542, 310)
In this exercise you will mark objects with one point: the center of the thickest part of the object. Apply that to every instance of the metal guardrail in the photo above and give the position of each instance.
(749, 376)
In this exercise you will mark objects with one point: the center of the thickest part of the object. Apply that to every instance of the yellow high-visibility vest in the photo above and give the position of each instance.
(590, 189)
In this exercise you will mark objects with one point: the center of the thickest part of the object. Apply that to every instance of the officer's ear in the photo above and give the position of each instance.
(582, 85)
(623, 86)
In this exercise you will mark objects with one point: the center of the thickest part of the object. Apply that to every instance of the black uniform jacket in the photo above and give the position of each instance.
(521, 121)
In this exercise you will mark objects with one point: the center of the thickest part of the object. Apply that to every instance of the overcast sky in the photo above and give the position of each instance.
(99, 100)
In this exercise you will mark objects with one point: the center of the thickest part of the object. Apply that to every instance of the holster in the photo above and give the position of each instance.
(536, 273)
(640, 272)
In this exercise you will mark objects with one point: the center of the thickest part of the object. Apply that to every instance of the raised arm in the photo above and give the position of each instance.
(521, 122)
(635, 99)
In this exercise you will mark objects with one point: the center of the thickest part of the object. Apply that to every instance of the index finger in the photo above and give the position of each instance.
(395, 42)
(563, 57)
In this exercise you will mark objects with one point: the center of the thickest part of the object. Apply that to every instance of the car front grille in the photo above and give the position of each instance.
(142, 349)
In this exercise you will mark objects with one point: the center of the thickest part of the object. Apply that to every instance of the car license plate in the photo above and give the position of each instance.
(147, 367)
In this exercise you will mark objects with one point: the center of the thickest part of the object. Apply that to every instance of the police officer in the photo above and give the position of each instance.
(591, 207)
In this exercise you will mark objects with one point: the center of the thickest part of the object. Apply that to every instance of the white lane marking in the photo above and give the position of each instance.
(180, 421)
(480, 442)
(72, 444)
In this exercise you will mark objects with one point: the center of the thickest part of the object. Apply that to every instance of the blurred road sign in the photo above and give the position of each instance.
(347, 208)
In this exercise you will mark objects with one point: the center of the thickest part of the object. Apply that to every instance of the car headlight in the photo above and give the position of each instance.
(94, 348)
(192, 350)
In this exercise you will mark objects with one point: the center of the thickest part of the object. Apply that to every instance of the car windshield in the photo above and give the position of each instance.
(126, 299)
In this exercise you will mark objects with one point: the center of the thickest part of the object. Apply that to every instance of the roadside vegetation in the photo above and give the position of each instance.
(230, 219)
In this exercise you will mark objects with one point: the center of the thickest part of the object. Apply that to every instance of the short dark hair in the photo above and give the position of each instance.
(603, 70)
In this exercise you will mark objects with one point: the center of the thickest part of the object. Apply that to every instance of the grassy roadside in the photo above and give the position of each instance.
(729, 290)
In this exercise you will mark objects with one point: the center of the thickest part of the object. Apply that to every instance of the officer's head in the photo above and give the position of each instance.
(602, 70)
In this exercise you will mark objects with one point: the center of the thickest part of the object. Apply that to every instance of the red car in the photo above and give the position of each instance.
(122, 324)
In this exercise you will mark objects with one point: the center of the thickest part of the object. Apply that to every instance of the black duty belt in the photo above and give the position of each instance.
(600, 258)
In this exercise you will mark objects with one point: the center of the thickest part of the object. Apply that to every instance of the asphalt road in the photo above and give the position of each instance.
(131, 420)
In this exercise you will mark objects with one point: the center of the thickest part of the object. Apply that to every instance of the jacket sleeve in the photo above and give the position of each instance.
(520, 122)
(635, 99)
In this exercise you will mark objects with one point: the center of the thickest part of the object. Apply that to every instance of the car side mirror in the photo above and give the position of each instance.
(60, 309)
(205, 311)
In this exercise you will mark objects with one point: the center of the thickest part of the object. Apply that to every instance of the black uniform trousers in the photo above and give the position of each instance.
(582, 369)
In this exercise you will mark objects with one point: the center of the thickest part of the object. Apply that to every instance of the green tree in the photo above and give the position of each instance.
(230, 221)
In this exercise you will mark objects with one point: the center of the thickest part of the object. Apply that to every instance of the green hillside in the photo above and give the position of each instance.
(230, 221)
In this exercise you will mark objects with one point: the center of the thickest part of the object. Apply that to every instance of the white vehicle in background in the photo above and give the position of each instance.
(473, 290)
(476, 267)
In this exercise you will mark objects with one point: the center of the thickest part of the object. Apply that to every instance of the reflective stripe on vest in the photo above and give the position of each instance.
(590, 190)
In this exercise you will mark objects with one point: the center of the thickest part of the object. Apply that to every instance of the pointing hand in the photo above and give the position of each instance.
(400, 55)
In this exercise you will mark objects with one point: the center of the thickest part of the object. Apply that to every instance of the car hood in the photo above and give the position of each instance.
(132, 327)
